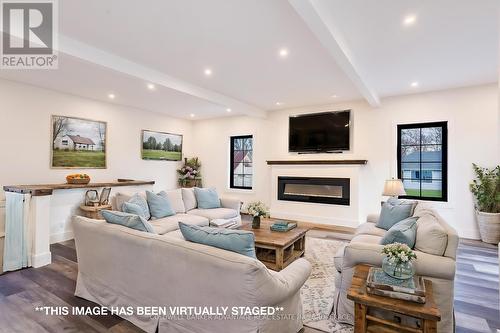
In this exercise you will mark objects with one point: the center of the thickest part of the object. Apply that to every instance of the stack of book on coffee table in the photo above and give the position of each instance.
(379, 283)
(283, 226)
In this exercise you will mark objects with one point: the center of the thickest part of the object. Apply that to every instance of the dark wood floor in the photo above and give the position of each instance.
(476, 295)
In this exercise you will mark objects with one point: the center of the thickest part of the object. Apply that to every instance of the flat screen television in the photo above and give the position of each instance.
(319, 132)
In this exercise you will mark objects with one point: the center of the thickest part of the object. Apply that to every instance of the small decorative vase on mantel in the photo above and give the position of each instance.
(398, 261)
(256, 222)
(257, 209)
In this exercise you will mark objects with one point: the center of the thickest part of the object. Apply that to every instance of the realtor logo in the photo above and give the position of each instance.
(29, 34)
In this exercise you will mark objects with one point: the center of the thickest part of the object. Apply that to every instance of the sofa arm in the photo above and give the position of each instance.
(231, 203)
(287, 282)
(426, 264)
(373, 218)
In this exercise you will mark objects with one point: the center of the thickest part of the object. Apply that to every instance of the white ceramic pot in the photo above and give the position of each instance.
(489, 226)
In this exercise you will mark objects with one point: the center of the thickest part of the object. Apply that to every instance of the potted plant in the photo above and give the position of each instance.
(486, 190)
(189, 173)
(398, 261)
(257, 209)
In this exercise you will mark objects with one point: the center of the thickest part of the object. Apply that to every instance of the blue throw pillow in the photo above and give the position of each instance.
(142, 203)
(128, 220)
(159, 206)
(207, 198)
(131, 208)
(393, 211)
(402, 232)
(238, 241)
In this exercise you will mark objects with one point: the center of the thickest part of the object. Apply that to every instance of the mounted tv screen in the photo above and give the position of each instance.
(319, 132)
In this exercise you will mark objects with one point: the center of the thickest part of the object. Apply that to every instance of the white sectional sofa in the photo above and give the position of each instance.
(119, 266)
(436, 247)
(184, 203)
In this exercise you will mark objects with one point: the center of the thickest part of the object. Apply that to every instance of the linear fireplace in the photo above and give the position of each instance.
(333, 191)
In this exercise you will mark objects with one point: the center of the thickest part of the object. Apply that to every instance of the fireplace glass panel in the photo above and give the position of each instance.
(327, 191)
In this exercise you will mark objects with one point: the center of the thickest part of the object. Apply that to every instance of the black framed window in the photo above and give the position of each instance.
(241, 167)
(423, 160)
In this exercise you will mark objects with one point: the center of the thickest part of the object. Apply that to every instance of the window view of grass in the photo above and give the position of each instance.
(80, 158)
(425, 193)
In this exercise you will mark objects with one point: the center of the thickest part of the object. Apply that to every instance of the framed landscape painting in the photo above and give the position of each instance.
(161, 146)
(78, 143)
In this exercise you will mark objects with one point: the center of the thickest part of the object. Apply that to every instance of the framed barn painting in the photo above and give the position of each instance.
(78, 143)
(161, 146)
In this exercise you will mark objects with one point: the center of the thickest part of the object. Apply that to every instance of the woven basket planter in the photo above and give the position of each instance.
(489, 227)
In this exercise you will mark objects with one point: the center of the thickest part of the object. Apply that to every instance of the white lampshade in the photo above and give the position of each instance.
(393, 188)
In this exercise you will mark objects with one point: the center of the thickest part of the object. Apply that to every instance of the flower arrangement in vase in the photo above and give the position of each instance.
(189, 173)
(257, 209)
(398, 261)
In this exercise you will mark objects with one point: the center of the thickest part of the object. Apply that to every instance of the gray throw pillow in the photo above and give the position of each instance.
(239, 241)
(138, 200)
(128, 220)
(159, 205)
(404, 232)
(393, 211)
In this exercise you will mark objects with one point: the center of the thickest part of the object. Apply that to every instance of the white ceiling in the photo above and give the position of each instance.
(353, 49)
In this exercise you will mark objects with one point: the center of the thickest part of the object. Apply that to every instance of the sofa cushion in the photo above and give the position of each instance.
(402, 232)
(122, 197)
(132, 221)
(207, 198)
(371, 239)
(369, 228)
(215, 213)
(189, 198)
(393, 211)
(171, 223)
(239, 241)
(175, 234)
(432, 238)
(175, 198)
(159, 205)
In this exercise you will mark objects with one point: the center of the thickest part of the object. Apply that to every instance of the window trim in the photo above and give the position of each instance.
(444, 159)
(232, 138)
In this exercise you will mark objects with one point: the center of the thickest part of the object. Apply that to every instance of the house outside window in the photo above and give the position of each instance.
(241, 167)
(422, 160)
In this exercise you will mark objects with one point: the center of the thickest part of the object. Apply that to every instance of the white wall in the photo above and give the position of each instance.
(25, 142)
(472, 115)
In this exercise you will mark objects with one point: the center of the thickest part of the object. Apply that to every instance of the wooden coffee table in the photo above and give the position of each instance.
(276, 249)
(365, 320)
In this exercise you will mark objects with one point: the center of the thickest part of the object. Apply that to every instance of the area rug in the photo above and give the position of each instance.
(317, 293)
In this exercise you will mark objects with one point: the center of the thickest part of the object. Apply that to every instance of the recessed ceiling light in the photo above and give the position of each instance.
(207, 71)
(111, 96)
(409, 20)
(283, 53)
(279, 103)
(151, 86)
(192, 115)
(229, 110)
(414, 84)
(334, 96)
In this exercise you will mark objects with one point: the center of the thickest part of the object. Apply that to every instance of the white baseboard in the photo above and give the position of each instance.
(61, 237)
(315, 219)
(41, 259)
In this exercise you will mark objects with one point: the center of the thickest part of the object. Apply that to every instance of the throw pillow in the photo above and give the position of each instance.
(432, 238)
(128, 220)
(402, 232)
(207, 198)
(239, 241)
(189, 198)
(139, 200)
(159, 205)
(131, 208)
(393, 211)
(175, 199)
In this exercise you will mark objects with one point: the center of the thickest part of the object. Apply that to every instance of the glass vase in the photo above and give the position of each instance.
(398, 269)
(256, 222)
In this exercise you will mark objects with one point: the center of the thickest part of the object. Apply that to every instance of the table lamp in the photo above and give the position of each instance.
(394, 188)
